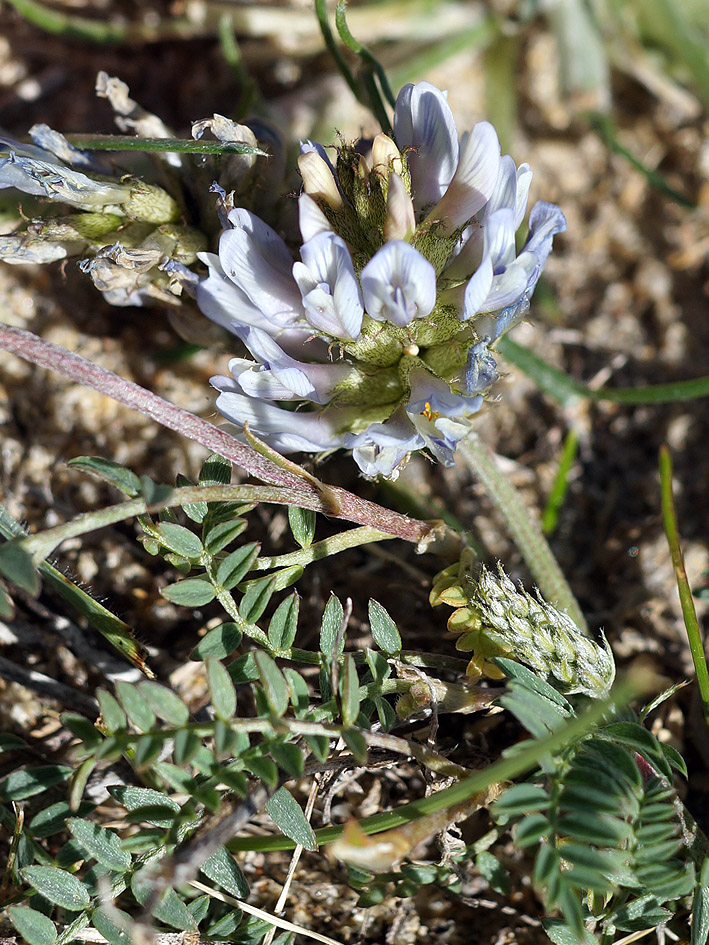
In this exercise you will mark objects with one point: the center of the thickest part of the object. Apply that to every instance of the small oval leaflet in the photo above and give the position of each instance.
(288, 816)
(102, 844)
(34, 927)
(60, 887)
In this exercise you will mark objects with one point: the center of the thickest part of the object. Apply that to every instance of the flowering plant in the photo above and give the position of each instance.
(380, 336)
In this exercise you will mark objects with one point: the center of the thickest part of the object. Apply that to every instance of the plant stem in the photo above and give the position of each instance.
(506, 769)
(177, 145)
(331, 500)
(524, 530)
(323, 549)
(689, 613)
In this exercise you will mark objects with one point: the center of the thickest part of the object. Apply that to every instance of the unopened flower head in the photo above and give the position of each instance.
(380, 334)
(495, 618)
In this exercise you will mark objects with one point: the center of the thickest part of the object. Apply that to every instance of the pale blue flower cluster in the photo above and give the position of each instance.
(379, 338)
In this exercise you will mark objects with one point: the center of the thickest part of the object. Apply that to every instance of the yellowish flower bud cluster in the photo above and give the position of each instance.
(493, 618)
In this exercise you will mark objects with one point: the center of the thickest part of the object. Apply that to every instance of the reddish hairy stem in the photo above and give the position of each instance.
(331, 500)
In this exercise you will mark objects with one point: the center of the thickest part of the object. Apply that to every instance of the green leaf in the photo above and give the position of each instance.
(165, 703)
(560, 934)
(273, 682)
(135, 706)
(700, 915)
(521, 799)
(255, 600)
(349, 691)
(52, 819)
(102, 844)
(354, 740)
(17, 566)
(34, 927)
(243, 669)
(288, 816)
(220, 642)
(221, 689)
(289, 757)
(137, 799)
(219, 536)
(302, 525)
(284, 623)
(180, 540)
(222, 868)
(193, 592)
(261, 767)
(187, 744)
(10, 742)
(7, 606)
(332, 618)
(215, 471)
(27, 782)
(674, 758)
(59, 887)
(384, 630)
(154, 493)
(123, 479)
(531, 829)
(82, 728)
(233, 568)
(170, 908)
(114, 924)
(494, 872)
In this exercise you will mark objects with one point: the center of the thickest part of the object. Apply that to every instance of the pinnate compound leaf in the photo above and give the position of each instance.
(222, 868)
(34, 927)
(125, 480)
(384, 630)
(165, 703)
(61, 888)
(192, 592)
(273, 682)
(302, 525)
(220, 642)
(102, 844)
(221, 689)
(288, 816)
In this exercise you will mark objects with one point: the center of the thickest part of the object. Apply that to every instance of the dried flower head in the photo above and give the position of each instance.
(380, 334)
(495, 618)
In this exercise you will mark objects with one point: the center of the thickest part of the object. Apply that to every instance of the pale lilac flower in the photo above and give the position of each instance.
(331, 296)
(287, 431)
(408, 274)
(439, 415)
(277, 376)
(382, 448)
(398, 284)
(259, 263)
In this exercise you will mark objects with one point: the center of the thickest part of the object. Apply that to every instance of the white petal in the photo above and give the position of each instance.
(474, 179)
(506, 288)
(331, 294)
(524, 181)
(311, 218)
(499, 237)
(398, 284)
(477, 289)
(424, 122)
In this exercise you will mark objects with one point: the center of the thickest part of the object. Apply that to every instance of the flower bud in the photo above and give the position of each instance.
(318, 180)
(400, 221)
